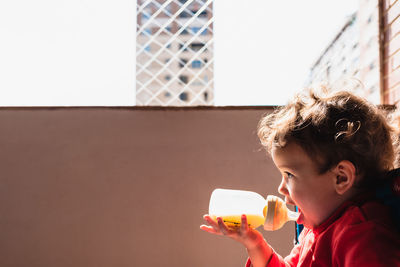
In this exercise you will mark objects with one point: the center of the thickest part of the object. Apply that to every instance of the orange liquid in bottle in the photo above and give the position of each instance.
(235, 221)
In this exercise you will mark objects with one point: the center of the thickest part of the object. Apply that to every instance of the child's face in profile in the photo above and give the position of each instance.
(313, 193)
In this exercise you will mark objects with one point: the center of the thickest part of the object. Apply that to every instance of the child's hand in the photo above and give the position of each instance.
(249, 237)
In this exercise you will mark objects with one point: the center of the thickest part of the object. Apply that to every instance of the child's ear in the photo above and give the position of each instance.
(345, 176)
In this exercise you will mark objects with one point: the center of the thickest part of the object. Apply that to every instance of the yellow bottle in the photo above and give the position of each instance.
(231, 204)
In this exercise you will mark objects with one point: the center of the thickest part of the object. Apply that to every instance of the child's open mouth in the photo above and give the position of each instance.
(299, 220)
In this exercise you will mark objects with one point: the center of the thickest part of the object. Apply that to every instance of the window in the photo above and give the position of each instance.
(205, 95)
(184, 79)
(145, 15)
(371, 66)
(196, 46)
(184, 14)
(147, 31)
(196, 64)
(203, 14)
(182, 62)
(184, 96)
(197, 29)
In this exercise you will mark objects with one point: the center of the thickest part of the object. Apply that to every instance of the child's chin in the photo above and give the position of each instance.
(300, 220)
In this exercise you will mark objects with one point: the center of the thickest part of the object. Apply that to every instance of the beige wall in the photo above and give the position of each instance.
(125, 186)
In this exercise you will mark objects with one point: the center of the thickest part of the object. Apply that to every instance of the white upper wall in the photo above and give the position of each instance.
(264, 49)
(82, 52)
(67, 53)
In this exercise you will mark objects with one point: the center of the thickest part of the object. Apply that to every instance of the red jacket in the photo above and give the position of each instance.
(359, 233)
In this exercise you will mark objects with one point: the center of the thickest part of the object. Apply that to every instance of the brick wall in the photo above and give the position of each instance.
(390, 51)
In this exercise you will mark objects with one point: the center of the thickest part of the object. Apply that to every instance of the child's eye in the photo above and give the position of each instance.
(289, 175)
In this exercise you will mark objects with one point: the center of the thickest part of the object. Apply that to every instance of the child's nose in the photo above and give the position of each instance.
(282, 187)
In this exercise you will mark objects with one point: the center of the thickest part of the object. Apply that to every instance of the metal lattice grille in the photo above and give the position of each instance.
(174, 57)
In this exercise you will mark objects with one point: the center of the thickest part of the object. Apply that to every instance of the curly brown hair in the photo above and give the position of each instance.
(331, 127)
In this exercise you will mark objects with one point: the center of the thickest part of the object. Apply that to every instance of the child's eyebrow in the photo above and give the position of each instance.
(292, 166)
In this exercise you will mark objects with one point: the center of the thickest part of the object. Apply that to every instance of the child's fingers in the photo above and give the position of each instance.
(210, 221)
(244, 227)
(222, 226)
(209, 229)
(213, 225)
